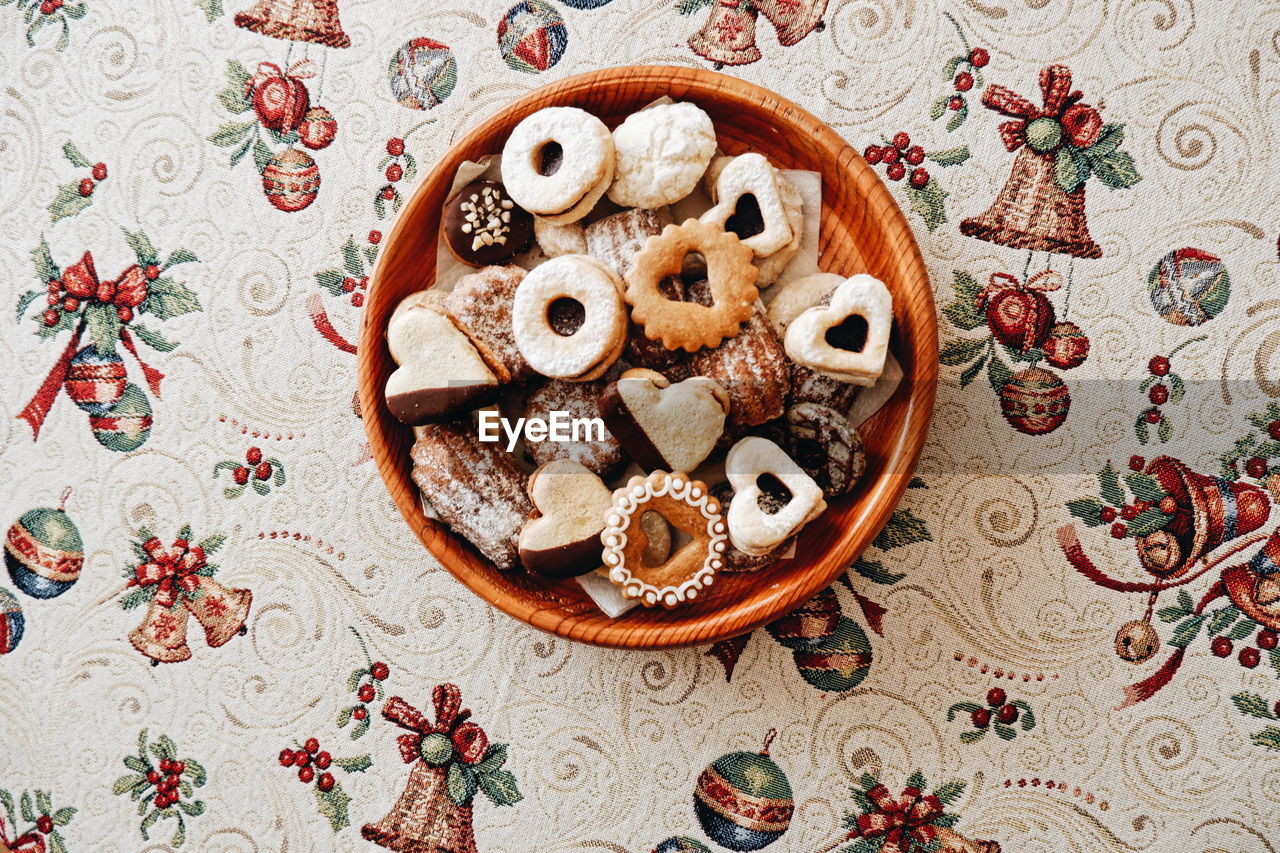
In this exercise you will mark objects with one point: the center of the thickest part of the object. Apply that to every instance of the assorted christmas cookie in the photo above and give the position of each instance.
(476, 488)
(661, 153)
(753, 367)
(602, 455)
(480, 305)
(762, 474)
(771, 266)
(737, 561)
(749, 203)
(616, 239)
(562, 537)
(556, 240)
(823, 442)
(558, 162)
(568, 318)
(440, 374)
(483, 226)
(686, 504)
(798, 295)
(848, 337)
(665, 425)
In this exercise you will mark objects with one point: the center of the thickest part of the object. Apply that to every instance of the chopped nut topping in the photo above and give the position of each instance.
(487, 217)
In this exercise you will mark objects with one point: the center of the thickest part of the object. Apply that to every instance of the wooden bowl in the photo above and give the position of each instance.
(862, 230)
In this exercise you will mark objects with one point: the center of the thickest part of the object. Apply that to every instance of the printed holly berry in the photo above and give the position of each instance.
(322, 760)
(99, 171)
(1221, 647)
(375, 237)
(1152, 416)
(262, 473)
(1256, 467)
(359, 713)
(889, 155)
(1107, 514)
(379, 671)
(1267, 639)
(1137, 463)
(357, 299)
(1007, 714)
(326, 782)
(44, 823)
(999, 714)
(171, 781)
(86, 186)
(978, 57)
(388, 193)
(901, 140)
(964, 81)
(955, 102)
(48, 7)
(312, 746)
(919, 177)
(1159, 394)
(306, 774)
(124, 313)
(395, 147)
(872, 154)
(897, 172)
(1249, 657)
(50, 317)
(253, 455)
(366, 693)
(240, 475)
(301, 758)
(286, 758)
(395, 172)
(914, 155)
(366, 684)
(996, 697)
(1119, 530)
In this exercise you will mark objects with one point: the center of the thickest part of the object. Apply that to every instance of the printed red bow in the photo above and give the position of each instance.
(127, 290)
(1080, 123)
(29, 842)
(1044, 280)
(301, 70)
(902, 820)
(169, 569)
(469, 740)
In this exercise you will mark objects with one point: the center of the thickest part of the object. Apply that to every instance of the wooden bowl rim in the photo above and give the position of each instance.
(881, 496)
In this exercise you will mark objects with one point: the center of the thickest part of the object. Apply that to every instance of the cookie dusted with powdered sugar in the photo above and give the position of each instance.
(660, 154)
(480, 303)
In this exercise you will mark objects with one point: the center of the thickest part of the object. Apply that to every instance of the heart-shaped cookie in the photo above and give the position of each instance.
(819, 337)
(749, 204)
(562, 539)
(662, 425)
(759, 517)
(440, 371)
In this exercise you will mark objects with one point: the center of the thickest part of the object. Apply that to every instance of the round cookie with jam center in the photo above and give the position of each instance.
(482, 226)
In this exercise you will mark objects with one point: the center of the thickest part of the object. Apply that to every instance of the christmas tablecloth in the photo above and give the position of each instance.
(218, 634)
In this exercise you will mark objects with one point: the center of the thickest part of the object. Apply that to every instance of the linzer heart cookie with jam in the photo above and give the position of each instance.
(617, 320)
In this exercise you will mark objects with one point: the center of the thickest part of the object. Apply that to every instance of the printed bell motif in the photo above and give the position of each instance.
(793, 19)
(1255, 587)
(729, 36)
(1032, 212)
(221, 611)
(424, 817)
(314, 21)
(162, 636)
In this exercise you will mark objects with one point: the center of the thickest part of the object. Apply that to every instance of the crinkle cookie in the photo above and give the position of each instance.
(557, 163)
(660, 154)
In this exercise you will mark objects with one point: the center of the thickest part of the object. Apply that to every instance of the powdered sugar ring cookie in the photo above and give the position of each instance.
(660, 153)
(688, 505)
(557, 163)
(587, 351)
(687, 325)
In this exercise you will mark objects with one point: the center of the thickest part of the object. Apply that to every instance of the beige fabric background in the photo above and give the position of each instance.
(606, 744)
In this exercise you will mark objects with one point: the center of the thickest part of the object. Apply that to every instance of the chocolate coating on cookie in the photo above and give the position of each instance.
(483, 226)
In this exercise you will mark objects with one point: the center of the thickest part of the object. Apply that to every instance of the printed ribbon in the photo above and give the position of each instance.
(451, 720)
(128, 290)
(302, 69)
(902, 820)
(1045, 280)
(1055, 88)
(170, 569)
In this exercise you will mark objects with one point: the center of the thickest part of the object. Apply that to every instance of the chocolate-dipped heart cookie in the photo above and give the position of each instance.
(562, 539)
(665, 425)
(440, 374)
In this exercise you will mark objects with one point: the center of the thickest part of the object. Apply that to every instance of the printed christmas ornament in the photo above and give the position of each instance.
(12, 623)
(314, 21)
(810, 623)
(743, 800)
(318, 128)
(837, 663)
(532, 36)
(280, 101)
(125, 426)
(422, 74)
(1189, 287)
(729, 35)
(793, 19)
(681, 844)
(1137, 641)
(1067, 346)
(1035, 401)
(44, 552)
(95, 382)
(291, 180)
(1018, 314)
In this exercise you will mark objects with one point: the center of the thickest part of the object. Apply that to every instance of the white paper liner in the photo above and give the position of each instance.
(607, 596)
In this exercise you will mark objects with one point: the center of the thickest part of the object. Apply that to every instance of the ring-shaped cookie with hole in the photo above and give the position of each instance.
(689, 326)
(687, 505)
(557, 163)
(576, 354)
(753, 529)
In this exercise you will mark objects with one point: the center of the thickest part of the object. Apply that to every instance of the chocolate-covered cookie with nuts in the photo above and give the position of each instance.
(483, 226)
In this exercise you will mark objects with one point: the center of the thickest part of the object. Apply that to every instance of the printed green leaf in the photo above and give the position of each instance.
(1144, 486)
(973, 735)
(1268, 737)
(351, 259)
(1186, 632)
(28, 814)
(56, 844)
(44, 804)
(688, 7)
(239, 153)
(234, 101)
(333, 805)
(916, 780)
(961, 351)
(958, 116)
(874, 571)
(410, 167)
(948, 792)
(1147, 522)
(903, 528)
(344, 716)
(142, 247)
(237, 74)
(169, 298)
(460, 783)
(195, 769)
(359, 729)
(998, 373)
(1221, 619)
(63, 816)
(971, 372)
(952, 65)
(359, 764)
(1177, 388)
(231, 133)
(1241, 630)
(917, 483)
(1117, 170)
(1070, 169)
(930, 202)
(68, 201)
(500, 787)
(950, 156)
(1253, 705)
(133, 762)
(1088, 510)
(72, 153)
(1109, 486)
(966, 707)
(192, 807)
(1141, 431)
(25, 300)
(1108, 140)
(128, 782)
(212, 9)
(261, 155)
(964, 315)
(330, 280)
(1170, 614)
(948, 820)
(46, 269)
(494, 757)
(1004, 731)
(1164, 430)
(179, 256)
(938, 107)
(1185, 602)
(153, 339)
(164, 747)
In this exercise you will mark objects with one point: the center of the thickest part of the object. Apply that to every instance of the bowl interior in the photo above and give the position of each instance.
(862, 230)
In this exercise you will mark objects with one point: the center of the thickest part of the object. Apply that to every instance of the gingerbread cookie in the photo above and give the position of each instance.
(483, 226)
(660, 154)
(749, 204)
(848, 338)
(687, 325)
(616, 239)
(737, 561)
(556, 240)
(480, 304)
(662, 425)
(753, 367)
(441, 373)
(687, 505)
(809, 386)
(755, 468)
(562, 538)
(476, 488)
(577, 400)
(558, 162)
(568, 318)
(823, 442)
